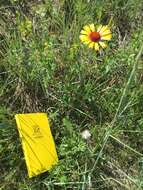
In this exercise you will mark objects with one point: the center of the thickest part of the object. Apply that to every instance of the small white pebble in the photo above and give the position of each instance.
(86, 134)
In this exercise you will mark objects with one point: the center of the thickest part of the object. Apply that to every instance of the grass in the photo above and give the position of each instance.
(45, 68)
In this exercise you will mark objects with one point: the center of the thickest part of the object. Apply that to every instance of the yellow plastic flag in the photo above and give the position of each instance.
(37, 141)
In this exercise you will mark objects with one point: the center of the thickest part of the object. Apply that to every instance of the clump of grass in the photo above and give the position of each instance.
(44, 68)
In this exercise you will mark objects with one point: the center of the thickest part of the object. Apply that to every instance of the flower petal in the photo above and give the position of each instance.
(96, 46)
(103, 44)
(105, 32)
(84, 32)
(92, 27)
(106, 37)
(87, 28)
(103, 29)
(99, 28)
(84, 39)
(91, 45)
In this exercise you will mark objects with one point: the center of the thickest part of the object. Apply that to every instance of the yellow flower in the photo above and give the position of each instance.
(95, 38)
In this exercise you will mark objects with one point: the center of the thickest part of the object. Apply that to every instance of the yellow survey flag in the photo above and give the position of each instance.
(37, 141)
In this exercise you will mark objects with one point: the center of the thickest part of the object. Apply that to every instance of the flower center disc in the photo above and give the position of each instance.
(94, 36)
